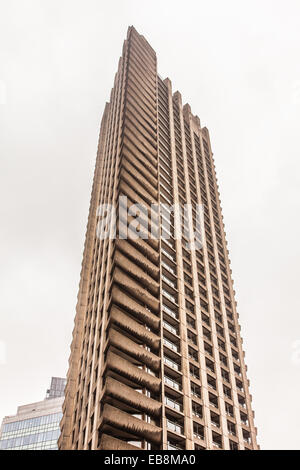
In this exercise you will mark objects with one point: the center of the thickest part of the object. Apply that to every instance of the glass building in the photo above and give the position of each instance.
(35, 426)
(57, 388)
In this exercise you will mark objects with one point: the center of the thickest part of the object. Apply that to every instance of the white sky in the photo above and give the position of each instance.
(237, 64)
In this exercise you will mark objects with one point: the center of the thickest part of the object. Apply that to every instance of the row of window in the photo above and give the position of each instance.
(30, 439)
(31, 423)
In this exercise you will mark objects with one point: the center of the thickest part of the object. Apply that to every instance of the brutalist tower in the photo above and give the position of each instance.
(156, 358)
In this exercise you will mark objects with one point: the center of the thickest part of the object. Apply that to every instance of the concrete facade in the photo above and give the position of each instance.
(156, 358)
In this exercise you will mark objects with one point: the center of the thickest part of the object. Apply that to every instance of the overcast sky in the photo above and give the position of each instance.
(237, 64)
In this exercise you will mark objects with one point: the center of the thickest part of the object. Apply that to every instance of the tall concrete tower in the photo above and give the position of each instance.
(156, 358)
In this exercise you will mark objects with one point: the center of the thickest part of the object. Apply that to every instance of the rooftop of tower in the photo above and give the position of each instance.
(176, 95)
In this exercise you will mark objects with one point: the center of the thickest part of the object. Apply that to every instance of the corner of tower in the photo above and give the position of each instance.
(197, 121)
(205, 131)
(167, 82)
(131, 32)
(177, 97)
(187, 114)
(129, 29)
(106, 108)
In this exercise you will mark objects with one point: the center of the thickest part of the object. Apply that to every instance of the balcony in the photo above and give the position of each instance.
(242, 402)
(197, 409)
(171, 345)
(195, 390)
(167, 241)
(173, 446)
(170, 328)
(169, 296)
(170, 312)
(194, 372)
(217, 440)
(198, 431)
(168, 255)
(174, 426)
(246, 437)
(168, 281)
(193, 354)
(213, 400)
(175, 405)
(168, 268)
(172, 383)
(171, 363)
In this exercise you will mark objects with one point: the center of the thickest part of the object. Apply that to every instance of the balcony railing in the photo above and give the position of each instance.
(169, 296)
(171, 345)
(168, 281)
(174, 447)
(173, 404)
(170, 328)
(167, 254)
(174, 427)
(172, 383)
(168, 268)
(171, 363)
(170, 312)
(198, 436)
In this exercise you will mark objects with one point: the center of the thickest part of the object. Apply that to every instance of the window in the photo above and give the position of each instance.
(195, 390)
(227, 391)
(210, 365)
(193, 354)
(188, 292)
(198, 431)
(246, 436)
(235, 354)
(233, 445)
(194, 371)
(218, 317)
(244, 418)
(225, 375)
(239, 384)
(229, 409)
(207, 333)
(191, 337)
(220, 330)
(213, 400)
(198, 447)
(231, 428)
(242, 401)
(208, 348)
(223, 359)
(217, 439)
(190, 321)
(211, 382)
(215, 419)
(197, 409)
